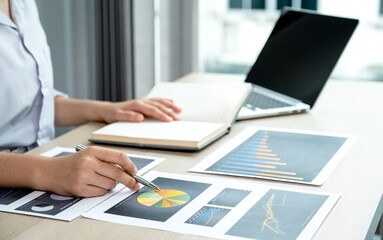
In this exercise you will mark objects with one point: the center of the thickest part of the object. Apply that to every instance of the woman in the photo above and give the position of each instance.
(31, 107)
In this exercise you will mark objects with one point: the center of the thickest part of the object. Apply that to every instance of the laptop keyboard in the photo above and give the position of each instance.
(258, 100)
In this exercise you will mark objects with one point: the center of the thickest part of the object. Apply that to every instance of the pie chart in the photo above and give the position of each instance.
(163, 198)
(42, 207)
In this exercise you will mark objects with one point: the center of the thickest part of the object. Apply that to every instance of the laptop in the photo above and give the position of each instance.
(295, 62)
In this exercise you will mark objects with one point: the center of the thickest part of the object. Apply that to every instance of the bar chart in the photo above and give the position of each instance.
(280, 155)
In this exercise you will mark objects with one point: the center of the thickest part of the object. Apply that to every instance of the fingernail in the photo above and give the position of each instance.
(139, 118)
(136, 187)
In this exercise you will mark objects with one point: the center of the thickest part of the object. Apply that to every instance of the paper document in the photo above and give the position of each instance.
(50, 205)
(279, 154)
(223, 209)
(206, 101)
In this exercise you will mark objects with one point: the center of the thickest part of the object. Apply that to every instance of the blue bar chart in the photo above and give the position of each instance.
(280, 155)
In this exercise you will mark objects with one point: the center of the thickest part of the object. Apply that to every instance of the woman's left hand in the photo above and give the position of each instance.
(136, 110)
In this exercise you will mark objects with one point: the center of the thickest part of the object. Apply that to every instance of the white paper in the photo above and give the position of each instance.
(155, 129)
(193, 98)
(50, 205)
(310, 164)
(220, 208)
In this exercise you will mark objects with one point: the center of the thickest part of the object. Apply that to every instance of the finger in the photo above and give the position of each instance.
(164, 109)
(110, 172)
(152, 111)
(142, 105)
(129, 116)
(113, 156)
(92, 191)
(98, 179)
(167, 103)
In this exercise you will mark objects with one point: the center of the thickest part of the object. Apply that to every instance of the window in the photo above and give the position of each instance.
(381, 8)
(233, 32)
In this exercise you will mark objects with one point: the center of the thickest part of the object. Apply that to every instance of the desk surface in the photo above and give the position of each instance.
(344, 107)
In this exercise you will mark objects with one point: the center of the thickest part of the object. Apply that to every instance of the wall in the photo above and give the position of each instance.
(69, 26)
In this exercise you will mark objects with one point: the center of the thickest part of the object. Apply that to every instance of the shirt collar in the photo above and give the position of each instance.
(17, 10)
(4, 19)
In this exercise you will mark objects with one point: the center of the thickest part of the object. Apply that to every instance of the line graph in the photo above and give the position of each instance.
(208, 216)
(271, 222)
(279, 215)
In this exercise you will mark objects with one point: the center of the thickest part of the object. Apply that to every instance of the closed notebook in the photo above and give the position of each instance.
(208, 111)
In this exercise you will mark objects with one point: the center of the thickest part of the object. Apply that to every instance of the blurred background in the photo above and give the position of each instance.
(117, 50)
(233, 32)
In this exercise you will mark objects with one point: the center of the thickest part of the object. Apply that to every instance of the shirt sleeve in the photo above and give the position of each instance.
(57, 93)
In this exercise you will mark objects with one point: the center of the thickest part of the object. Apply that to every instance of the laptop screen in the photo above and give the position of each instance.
(300, 53)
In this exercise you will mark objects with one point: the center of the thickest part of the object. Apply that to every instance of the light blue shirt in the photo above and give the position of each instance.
(26, 79)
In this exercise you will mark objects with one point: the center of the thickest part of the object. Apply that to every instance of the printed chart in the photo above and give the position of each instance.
(149, 204)
(229, 197)
(208, 216)
(278, 215)
(45, 204)
(49, 203)
(163, 198)
(218, 208)
(10, 195)
(277, 154)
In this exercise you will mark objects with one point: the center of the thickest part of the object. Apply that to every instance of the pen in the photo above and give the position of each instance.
(138, 178)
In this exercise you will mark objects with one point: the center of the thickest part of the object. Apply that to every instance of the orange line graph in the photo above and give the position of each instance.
(211, 216)
(271, 222)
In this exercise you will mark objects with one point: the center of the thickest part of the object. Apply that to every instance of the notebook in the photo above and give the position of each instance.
(295, 62)
(208, 112)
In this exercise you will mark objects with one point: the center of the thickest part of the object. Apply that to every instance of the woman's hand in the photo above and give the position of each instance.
(69, 111)
(135, 110)
(88, 173)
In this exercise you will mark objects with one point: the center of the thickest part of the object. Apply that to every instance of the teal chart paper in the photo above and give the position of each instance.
(278, 154)
(218, 208)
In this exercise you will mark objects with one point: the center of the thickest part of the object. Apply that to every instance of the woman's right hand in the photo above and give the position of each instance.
(88, 173)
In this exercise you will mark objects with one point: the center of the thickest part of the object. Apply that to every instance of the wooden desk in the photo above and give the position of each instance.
(343, 107)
